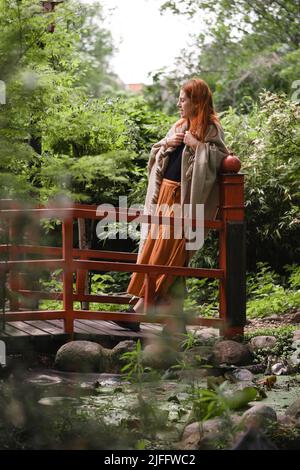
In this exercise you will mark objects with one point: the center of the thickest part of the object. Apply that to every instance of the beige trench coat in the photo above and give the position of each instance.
(199, 170)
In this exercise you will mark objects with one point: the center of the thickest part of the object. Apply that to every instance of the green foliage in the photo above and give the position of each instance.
(46, 76)
(96, 48)
(206, 404)
(55, 138)
(134, 368)
(282, 333)
(276, 303)
(269, 21)
(294, 278)
(152, 417)
(240, 398)
(243, 48)
(202, 297)
(266, 294)
(267, 141)
(190, 341)
(210, 403)
(282, 348)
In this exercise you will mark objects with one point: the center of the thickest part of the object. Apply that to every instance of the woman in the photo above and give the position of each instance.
(182, 169)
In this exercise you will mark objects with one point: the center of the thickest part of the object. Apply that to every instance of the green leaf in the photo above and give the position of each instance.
(241, 398)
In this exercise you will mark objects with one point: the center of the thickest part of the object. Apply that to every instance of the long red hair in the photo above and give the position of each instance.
(204, 114)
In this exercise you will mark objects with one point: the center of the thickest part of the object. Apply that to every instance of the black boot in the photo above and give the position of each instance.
(133, 326)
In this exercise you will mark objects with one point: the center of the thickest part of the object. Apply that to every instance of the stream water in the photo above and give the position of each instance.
(155, 412)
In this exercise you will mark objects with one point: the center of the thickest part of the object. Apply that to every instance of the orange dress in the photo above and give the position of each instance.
(161, 251)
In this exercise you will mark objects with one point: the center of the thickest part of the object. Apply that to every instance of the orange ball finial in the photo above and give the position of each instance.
(231, 164)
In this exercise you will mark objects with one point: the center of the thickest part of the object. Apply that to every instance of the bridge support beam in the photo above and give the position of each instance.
(232, 255)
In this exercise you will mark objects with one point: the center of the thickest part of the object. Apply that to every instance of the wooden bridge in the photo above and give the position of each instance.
(21, 253)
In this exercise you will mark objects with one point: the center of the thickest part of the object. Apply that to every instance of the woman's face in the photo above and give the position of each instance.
(185, 106)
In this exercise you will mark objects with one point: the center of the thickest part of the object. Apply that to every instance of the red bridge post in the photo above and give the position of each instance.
(67, 247)
(232, 249)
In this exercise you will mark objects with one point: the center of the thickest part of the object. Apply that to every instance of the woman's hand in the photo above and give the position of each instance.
(175, 140)
(190, 140)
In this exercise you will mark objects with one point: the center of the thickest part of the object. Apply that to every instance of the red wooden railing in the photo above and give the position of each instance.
(231, 272)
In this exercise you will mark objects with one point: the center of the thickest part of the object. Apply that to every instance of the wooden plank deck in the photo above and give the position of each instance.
(49, 335)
